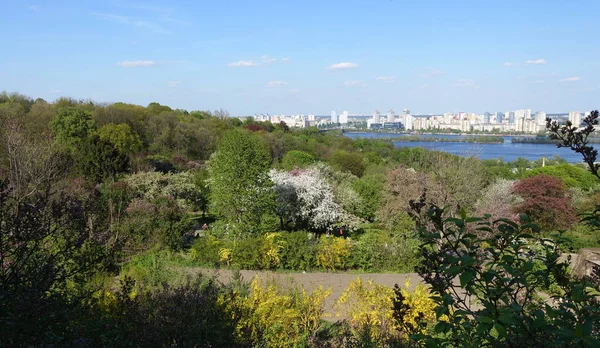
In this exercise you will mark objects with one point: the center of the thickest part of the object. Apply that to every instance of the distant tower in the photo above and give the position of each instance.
(334, 118)
(575, 118)
(376, 116)
(511, 117)
(540, 118)
(486, 117)
(344, 117)
(390, 116)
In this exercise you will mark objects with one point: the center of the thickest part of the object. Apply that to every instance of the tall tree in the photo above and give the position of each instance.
(240, 187)
(72, 125)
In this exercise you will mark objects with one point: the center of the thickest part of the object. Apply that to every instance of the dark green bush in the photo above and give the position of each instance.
(299, 252)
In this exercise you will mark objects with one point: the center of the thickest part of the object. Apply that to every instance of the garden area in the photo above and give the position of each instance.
(125, 225)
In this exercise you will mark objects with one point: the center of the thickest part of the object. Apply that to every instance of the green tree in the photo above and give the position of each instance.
(570, 175)
(296, 158)
(240, 187)
(71, 125)
(121, 136)
(348, 162)
(98, 159)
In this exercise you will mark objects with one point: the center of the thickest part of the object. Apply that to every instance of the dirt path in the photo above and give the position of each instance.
(338, 282)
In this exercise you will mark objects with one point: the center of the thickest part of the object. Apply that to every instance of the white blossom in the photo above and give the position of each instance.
(303, 196)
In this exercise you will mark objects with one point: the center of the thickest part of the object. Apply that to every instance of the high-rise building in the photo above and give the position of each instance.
(486, 117)
(334, 118)
(344, 117)
(540, 118)
(408, 121)
(575, 118)
(520, 117)
(376, 116)
(390, 116)
(511, 116)
(499, 117)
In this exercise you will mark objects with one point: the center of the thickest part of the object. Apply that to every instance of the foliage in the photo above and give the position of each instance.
(546, 200)
(348, 161)
(71, 125)
(333, 253)
(240, 186)
(496, 299)
(98, 159)
(278, 319)
(369, 190)
(570, 175)
(47, 251)
(368, 307)
(414, 311)
(121, 137)
(296, 159)
(207, 250)
(300, 251)
(382, 251)
(182, 187)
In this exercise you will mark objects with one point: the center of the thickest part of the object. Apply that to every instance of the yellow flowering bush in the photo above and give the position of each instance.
(333, 253)
(277, 318)
(367, 307)
(385, 313)
(413, 310)
(271, 248)
(225, 255)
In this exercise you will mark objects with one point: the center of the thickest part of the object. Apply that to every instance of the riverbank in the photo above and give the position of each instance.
(462, 139)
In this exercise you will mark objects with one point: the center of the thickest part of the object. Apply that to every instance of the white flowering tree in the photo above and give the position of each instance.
(151, 185)
(498, 200)
(305, 198)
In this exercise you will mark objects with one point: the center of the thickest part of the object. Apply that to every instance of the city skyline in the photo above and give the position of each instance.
(431, 56)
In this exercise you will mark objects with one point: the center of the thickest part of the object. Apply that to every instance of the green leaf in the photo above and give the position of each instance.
(501, 330)
(507, 319)
(440, 327)
(485, 320)
(466, 278)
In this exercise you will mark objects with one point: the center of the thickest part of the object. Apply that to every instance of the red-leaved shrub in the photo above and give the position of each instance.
(546, 201)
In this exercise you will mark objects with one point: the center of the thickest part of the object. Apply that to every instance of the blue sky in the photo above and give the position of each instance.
(307, 56)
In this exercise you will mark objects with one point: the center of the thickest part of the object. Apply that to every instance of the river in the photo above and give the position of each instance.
(508, 150)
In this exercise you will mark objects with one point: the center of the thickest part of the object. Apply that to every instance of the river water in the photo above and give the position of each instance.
(508, 151)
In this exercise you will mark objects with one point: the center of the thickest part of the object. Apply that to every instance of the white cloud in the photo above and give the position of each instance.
(342, 65)
(295, 90)
(571, 79)
(173, 83)
(511, 64)
(286, 59)
(355, 83)
(34, 8)
(536, 61)
(242, 64)
(136, 63)
(386, 78)
(430, 71)
(537, 81)
(588, 89)
(54, 91)
(276, 83)
(466, 83)
(424, 86)
(267, 59)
